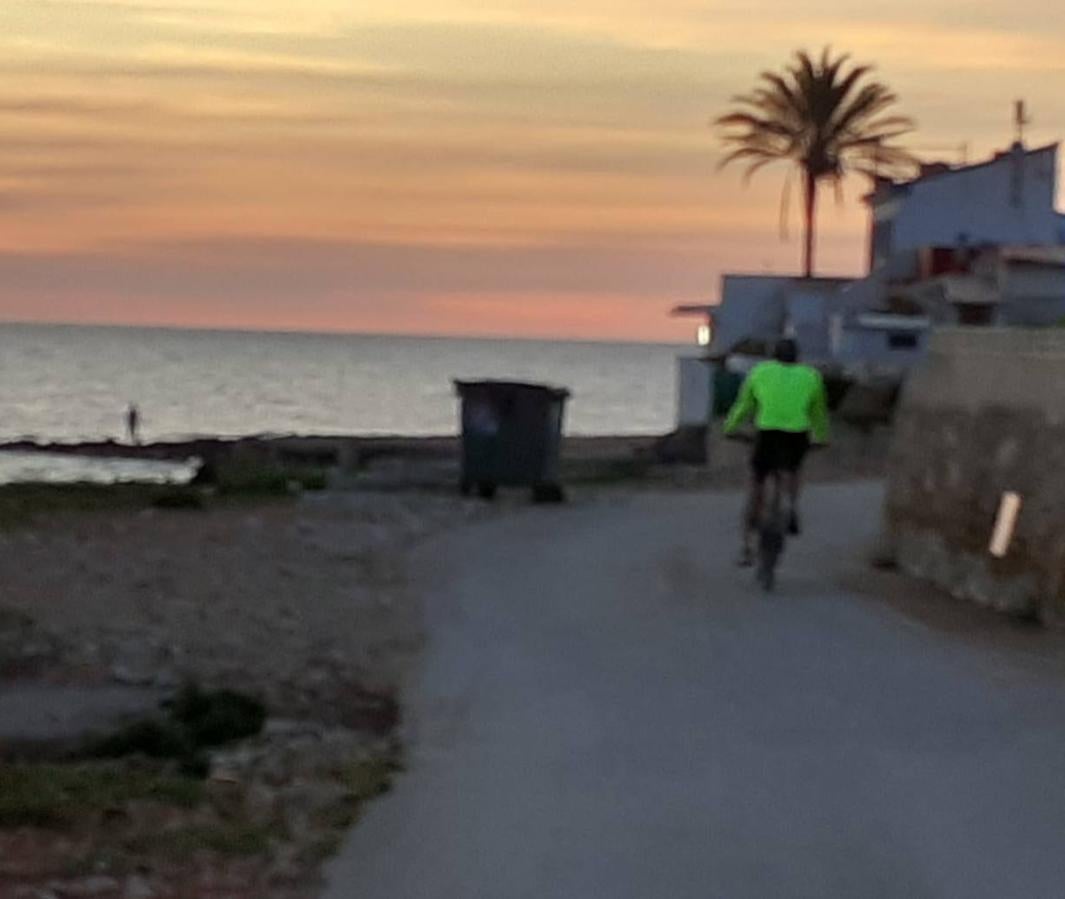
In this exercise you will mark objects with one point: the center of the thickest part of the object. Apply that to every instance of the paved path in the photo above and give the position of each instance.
(608, 709)
(45, 719)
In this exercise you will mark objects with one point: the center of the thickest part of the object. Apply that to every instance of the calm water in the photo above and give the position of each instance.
(68, 383)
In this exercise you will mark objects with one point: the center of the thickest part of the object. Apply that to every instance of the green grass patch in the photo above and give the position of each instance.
(230, 838)
(245, 477)
(236, 477)
(52, 795)
(22, 504)
(180, 498)
(310, 478)
(368, 778)
(259, 474)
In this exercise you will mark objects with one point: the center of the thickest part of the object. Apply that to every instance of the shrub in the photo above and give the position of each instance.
(48, 795)
(251, 477)
(179, 498)
(195, 720)
(211, 718)
(152, 737)
(310, 478)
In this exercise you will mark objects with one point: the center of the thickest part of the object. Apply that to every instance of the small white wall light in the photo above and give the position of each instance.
(1005, 524)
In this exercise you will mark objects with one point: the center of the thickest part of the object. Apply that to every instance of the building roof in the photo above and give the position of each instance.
(1048, 256)
(816, 280)
(886, 188)
(703, 310)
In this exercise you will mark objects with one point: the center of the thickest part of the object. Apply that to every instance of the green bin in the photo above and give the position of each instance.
(511, 437)
(727, 386)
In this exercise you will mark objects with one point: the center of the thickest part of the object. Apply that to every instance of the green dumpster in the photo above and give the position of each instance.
(511, 437)
(726, 388)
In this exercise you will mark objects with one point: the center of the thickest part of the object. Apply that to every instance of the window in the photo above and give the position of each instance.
(882, 241)
(902, 341)
(975, 314)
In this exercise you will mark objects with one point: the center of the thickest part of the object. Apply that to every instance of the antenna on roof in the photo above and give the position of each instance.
(1020, 119)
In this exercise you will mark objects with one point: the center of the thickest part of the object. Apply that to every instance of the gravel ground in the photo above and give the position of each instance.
(303, 603)
(292, 600)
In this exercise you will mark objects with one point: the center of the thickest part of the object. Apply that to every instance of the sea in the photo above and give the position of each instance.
(71, 383)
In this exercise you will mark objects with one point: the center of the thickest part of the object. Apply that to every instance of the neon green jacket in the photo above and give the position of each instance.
(782, 397)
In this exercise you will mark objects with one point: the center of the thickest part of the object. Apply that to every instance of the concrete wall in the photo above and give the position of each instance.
(871, 348)
(977, 205)
(695, 391)
(1032, 294)
(751, 306)
(763, 306)
(984, 414)
(808, 319)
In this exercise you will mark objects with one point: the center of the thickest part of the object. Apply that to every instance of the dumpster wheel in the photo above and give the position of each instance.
(486, 490)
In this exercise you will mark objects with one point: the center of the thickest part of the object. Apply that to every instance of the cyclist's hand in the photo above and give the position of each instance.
(740, 436)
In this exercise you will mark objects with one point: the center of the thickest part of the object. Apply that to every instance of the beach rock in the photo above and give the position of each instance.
(131, 675)
(261, 804)
(304, 802)
(96, 885)
(167, 679)
(137, 888)
(285, 867)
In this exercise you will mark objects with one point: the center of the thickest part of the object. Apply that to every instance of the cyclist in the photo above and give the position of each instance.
(789, 406)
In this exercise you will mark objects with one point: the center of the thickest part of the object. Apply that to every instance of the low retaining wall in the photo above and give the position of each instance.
(984, 414)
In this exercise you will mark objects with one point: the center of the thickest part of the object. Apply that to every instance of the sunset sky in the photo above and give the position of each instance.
(527, 167)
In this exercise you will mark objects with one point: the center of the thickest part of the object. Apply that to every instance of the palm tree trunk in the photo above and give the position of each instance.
(809, 223)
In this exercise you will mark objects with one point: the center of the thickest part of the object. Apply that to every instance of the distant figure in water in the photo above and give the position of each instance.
(133, 423)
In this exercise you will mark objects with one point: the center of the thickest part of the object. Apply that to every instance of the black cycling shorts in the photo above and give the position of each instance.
(778, 451)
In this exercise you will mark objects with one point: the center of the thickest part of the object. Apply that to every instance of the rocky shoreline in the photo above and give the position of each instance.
(301, 602)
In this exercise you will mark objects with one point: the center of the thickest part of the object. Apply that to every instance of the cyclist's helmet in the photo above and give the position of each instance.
(787, 351)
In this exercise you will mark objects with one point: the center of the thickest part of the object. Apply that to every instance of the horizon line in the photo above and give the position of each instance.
(250, 330)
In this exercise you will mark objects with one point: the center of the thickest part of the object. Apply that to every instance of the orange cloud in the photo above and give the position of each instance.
(444, 165)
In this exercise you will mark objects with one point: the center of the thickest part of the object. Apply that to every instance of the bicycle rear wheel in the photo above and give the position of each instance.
(770, 547)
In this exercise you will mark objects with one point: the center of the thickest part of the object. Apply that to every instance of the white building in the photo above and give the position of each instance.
(760, 308)
(1007, 200)
(1018, 286)
(973, 244)
(992, 226)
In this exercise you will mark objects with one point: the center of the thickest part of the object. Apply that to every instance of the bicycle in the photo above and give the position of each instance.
(772, 533)
(772, 527)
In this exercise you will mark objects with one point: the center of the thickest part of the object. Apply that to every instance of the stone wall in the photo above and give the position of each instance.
(984, 414)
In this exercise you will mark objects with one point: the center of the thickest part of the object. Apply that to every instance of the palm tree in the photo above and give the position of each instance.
(825, 117)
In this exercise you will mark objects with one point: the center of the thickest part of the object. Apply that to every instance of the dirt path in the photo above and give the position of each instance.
(607, 708)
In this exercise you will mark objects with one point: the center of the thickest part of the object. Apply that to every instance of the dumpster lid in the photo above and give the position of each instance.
(462, 387)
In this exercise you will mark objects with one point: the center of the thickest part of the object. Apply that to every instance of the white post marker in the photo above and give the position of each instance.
(1006, 522)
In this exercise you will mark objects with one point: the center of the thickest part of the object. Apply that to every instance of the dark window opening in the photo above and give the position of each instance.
(902, 341)
(881, 243)
(978, 314)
